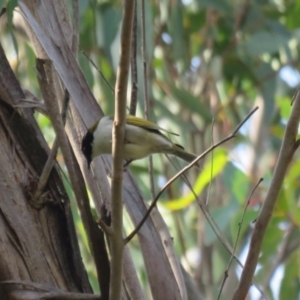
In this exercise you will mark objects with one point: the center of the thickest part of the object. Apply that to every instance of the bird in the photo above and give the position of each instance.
(142, 138)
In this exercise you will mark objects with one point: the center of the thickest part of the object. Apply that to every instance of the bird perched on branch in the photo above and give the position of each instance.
(142, 138)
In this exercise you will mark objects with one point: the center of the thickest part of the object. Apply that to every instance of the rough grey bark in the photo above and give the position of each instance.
(35, 238)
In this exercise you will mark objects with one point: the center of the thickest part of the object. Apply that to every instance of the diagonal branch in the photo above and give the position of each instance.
(237, 238)
(288, 148)
(45, 70)
(51, 158)
(153, 204)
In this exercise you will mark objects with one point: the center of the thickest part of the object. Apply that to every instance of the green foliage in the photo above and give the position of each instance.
(209, 64)
(10, 6)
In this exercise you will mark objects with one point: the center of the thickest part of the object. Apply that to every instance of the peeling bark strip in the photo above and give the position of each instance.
(34, 244)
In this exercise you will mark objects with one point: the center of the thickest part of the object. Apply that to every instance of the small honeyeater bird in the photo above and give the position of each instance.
(142, 138)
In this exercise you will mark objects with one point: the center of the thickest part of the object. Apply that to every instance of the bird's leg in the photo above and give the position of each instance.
(128, 161)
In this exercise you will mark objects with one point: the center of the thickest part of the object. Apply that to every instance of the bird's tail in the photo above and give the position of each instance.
(181, 153)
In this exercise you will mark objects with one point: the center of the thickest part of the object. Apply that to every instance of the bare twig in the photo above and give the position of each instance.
(153, 204)
(51, 158)
(146, 98)
(288, 148)
(116, 239)
(237, 238)
(206, 213)
(145, 66)
(212, 161)
(134, 73)
(101, 74)
(45, 69)
(214, 226)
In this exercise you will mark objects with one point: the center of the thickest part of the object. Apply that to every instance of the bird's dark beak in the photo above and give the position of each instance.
(87, 147)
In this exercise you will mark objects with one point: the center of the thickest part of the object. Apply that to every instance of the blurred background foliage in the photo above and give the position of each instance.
(209, 63)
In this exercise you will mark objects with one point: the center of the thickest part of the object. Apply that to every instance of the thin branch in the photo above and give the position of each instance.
(46, 80)
(203, 208)
(51, 158)
(288, 148)
(134, 73)
(146, 97)
(145, 66)
(212, 161)
(217, 231)
(118, 134)
(237, 238)
(153, 204)
(101, 74)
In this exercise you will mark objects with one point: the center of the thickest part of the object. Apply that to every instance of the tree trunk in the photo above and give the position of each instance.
(35, 238)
